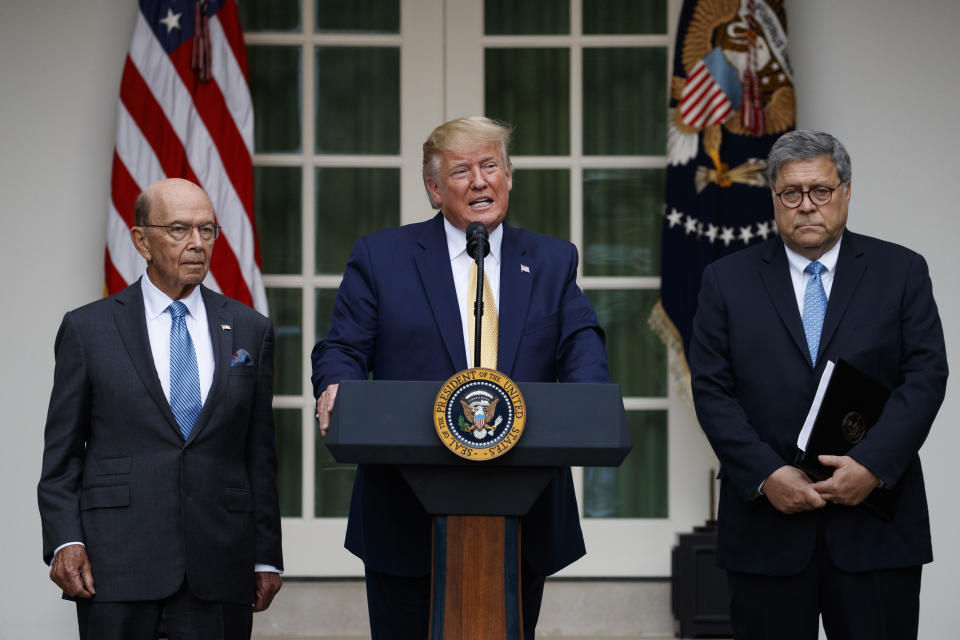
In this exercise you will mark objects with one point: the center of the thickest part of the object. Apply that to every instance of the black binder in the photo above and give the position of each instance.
(850, 406)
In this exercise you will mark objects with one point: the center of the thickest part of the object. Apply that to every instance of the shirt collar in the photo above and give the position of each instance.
(828, 260)
(156, 301)
(457, 241)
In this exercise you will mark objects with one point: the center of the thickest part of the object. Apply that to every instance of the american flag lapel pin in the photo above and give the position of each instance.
(524, 268)
(225, 327)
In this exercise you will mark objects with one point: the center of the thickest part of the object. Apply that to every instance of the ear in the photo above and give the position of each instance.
(434, 190)
(139, 237)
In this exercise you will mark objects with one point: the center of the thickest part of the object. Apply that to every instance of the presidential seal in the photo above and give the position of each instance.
(479, 414)
(853, 427)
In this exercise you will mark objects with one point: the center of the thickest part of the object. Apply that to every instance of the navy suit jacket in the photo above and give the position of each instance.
(397, 316)
(753, 384)
(117, 475)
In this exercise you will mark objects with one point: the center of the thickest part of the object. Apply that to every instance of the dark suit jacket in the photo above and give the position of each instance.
(397, 315)
(753, 384)
(118, 476)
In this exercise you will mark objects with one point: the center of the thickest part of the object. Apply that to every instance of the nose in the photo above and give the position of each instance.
(477, 179)
(194, 239)
(806, 204)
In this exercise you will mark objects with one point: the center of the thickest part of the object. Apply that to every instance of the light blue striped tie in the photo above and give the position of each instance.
(184, 375)
(814, 309)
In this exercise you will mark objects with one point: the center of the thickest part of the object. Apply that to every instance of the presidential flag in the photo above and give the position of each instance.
(731, 97)
(185, 111)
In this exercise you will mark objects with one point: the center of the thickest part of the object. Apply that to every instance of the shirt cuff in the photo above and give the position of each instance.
(266, 568)
(66, 544)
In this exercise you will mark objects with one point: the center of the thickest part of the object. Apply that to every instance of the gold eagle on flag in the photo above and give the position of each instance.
(738, 78)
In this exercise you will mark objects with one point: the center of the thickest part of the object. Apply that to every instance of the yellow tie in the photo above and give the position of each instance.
(488, 331)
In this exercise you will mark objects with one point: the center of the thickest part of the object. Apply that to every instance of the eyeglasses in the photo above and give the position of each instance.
(180, 232)
(791, 197)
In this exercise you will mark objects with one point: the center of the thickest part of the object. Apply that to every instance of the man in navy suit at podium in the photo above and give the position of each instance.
(768, 320)
(402, 314)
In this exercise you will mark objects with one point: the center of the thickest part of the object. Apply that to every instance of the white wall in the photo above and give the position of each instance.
(60, 65)
(880, 74)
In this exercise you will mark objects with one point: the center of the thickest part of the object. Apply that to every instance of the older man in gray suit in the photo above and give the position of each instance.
(158, 492)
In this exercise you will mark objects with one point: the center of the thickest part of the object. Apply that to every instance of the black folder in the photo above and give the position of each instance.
(850, 405)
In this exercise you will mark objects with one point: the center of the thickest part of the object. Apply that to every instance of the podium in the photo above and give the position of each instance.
(476, 587)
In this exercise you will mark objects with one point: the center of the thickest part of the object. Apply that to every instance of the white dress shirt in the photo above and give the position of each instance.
(460, 263)
(155, 303)
(800, 277)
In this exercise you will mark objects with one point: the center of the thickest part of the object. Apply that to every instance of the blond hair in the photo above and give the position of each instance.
(464, 135)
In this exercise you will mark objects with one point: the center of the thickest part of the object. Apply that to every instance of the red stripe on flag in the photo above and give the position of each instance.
(230, 20)
(147, 113)
(723, 107)
(114, 280)
(213, 110)
(124, 190)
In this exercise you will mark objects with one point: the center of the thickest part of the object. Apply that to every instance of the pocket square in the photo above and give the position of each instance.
(241, 358)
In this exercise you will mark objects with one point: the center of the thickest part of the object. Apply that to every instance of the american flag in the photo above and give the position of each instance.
(185, 111)
(712, 92)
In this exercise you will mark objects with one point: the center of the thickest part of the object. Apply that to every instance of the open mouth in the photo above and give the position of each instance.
(481, 203)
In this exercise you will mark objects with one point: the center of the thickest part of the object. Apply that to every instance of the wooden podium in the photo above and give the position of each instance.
(476, 540)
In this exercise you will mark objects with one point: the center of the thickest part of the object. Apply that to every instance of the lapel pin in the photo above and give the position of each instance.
(225, 327)
(524, 268)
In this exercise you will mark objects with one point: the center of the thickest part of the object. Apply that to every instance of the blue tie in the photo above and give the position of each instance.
(814, 309)
(184, 375)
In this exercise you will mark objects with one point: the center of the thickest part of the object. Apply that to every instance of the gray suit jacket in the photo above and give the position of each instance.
(117, 475)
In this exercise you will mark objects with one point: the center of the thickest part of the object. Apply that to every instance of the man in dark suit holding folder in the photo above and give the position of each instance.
(768, 320)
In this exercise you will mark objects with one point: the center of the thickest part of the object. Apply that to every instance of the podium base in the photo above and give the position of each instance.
(475, 589)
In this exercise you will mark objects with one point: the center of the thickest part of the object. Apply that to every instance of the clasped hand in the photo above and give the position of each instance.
(790, 490)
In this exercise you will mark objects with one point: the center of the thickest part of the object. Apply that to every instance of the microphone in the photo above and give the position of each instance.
(478, 246)
(478, 241)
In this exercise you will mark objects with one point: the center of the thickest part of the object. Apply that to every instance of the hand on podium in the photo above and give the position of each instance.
(325, 408)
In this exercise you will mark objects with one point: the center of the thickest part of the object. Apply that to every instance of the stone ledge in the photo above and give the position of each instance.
(572, 610)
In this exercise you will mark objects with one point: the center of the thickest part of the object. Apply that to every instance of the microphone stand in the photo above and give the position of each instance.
(478, 310)
(478, 246)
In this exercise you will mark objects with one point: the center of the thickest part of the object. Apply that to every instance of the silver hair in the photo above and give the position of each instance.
(804, 144)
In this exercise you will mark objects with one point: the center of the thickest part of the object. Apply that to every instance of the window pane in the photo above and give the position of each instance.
(277, 207)
(529, 17)
(359, 16)
(289, 461)
(624, 101)
(637, 357)
(333, 483)
(530, 89)
(638, 488)
(351, 202)
(358, 100)
(285, 311)
(621, 221)
(324, 299)
(624, 16)
(276, 15)
(540, 201)
(275, 89)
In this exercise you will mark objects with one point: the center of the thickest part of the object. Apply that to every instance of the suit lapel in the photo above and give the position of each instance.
(515, 287)
(775, 273)
(132, 325)
(222, 341)
(433, 264)
(849, 271)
